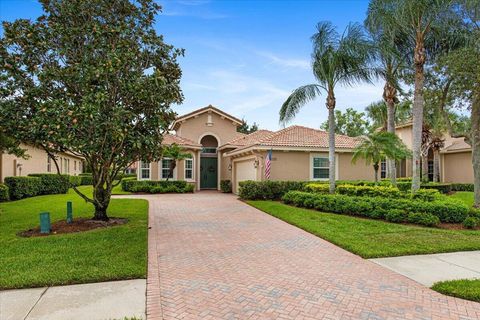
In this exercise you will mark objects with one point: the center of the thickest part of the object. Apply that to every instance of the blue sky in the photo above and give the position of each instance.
(246, 57)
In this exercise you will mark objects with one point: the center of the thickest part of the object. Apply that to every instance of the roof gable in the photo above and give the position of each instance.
(207, 109)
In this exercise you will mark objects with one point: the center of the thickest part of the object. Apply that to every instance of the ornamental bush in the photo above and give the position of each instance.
(317, 188)
(75, 181)
(462, 187)
(426, 195)
(471, 222)
(226, 186)
(442, 187)
(86, 179)
(147, 186)
(4, 194)
(447, 210)
(369, 191)
(52, 183)
(23, 187)
(426, 219)
(267, 190)
(396, 215)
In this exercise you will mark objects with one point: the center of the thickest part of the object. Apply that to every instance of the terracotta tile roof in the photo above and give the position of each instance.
(249, 139)
(169, 139)
(299, 136)
(457, 144)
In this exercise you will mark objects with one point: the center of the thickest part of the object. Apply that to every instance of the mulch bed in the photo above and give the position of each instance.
(78, 225)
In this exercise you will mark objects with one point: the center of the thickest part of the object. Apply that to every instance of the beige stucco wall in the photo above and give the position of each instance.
(37, 163)
(457, 167)
(357, 171)
(405, 134)
(196, 127)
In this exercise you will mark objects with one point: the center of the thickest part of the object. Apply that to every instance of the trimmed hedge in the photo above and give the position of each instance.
(226, 186)
(148, 186)
(23, 187)
(52, 183)
(463, 187)
(317, 188)
(442, 187)
(4, 193)
(369, 191)
(446, 210)
(74, 181)
(267, 190)
(86, 179)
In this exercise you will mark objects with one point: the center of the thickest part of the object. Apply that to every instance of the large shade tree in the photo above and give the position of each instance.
(92, 78)
(420, 22)
(351, 123)
(337, 59)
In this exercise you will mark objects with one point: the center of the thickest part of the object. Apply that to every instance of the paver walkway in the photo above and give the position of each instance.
(214, 257)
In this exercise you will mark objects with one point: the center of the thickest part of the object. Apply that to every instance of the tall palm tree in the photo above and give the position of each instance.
(377, 146)
(378, 114)
(336, 59)
(390, 64)
(417, 21)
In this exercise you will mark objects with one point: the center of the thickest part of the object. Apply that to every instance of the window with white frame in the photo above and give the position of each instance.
(165, 168)
(49, 164)
(188, 169)
(383, 169)
(320, 167)
(144, 170)
(74, 165)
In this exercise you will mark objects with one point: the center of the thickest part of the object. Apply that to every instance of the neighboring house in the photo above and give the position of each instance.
(38, 162)
(219, 152)
(455, 158)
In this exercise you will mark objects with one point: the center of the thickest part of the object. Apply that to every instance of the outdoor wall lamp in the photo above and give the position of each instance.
(255, 163)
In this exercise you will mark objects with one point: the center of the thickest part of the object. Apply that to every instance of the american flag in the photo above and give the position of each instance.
(268, 164)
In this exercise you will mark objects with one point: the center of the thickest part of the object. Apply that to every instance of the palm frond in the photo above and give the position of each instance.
(297, 100)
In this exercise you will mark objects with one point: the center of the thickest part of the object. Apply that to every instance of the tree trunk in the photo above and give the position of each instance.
(389, 94)
(436, 165)
(424, 168)
(375, 168)
(476, 145)
(101, 200)
(173, 165)
(331, 139)
(417, 112)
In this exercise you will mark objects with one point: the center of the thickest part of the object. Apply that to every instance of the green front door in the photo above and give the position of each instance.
(208, 173)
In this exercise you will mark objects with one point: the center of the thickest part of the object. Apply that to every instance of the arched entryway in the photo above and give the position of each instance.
(208, 162)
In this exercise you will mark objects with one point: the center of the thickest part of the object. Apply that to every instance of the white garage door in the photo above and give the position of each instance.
(244, 170)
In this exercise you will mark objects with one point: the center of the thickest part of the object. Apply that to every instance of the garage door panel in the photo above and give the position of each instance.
(244, 170)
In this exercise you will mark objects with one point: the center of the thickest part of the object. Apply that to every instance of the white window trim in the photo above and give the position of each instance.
(322, 155)
(185, 169)
(139, 171)
(160, 168)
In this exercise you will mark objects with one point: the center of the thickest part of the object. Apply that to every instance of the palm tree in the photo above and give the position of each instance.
(336, 59)
(418, 21)
(175, 153)
(377, 146)
(378, 114)
(390, 64)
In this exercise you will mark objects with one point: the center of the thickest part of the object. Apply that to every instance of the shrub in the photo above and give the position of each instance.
(23, 187)
(369, 191)
(471, 222)
(442, 187)
(52, 183)
(377, 213)
(404, 186)
(267, 190)
(447, 210)
(226, 186)
(426, 195)
(148, 186)
(426, 219)
(396, 215)
(4, 194)
(86, 179)
(317, 188)
(462, 187)
(75, 181)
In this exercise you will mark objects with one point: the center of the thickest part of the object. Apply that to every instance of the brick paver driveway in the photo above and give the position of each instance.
(214, 257)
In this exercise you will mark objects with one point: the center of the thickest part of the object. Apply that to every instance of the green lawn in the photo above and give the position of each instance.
(465, 196)
(466, 289)
(372, 238)
(98, 255)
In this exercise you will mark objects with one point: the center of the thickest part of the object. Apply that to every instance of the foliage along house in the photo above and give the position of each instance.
(219, 152)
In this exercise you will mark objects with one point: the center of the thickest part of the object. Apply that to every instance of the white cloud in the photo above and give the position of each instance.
(285, 62)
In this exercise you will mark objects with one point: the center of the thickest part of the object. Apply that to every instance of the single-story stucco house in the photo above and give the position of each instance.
(219, 152)
(38, 162)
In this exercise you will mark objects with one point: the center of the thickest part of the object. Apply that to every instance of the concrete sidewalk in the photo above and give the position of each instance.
(94, 301)
(430, 268)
